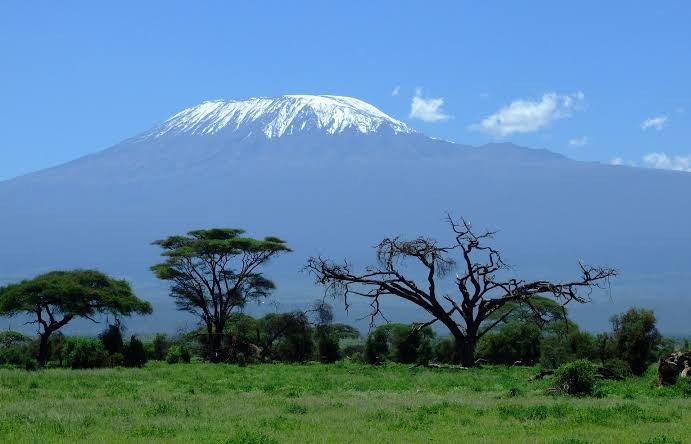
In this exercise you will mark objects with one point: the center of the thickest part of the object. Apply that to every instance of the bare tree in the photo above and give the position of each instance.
(481, 290)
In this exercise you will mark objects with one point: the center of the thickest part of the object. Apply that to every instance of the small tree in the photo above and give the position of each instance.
(135, 354)
(636, 338)
(55, 298)
(213, 272)
(482, 286)
(111, 338)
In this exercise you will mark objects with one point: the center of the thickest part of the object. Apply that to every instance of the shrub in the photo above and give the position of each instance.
(408, 340)
(178, 353)
(618, 367)
(349, 348)
(15, 356)
(328, 348)
(562, 346)
(376, 347)
(636, 338)
(160, 347)
(111, 338)
(135, 355)
(445, 351)
(575, 378)
(85, 353)
(514, 342)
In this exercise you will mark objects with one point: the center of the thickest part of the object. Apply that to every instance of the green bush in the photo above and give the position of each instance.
(575, 378)
(514, 342)
(178, 353)
(618, 367)
(85, 353)
(349, 348)
(160, 347)
(445, 351)
(111, 338)
(327, 346)
(636, 338)
(376, 347)
(135, 354)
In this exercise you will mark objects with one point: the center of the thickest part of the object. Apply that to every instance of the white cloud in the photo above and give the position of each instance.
(528, 116)
(665, 162)
(578, 141)
(617, 161)
(427, 109)
(395, 91)
(657, 122)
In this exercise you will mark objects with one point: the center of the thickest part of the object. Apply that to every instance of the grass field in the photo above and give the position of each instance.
(329, 403)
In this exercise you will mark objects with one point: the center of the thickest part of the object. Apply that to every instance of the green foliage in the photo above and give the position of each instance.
(11, 338)
(160, 345)
(85, 353)
(575, 378)
(57, 297)
(407, 341)
(327, 345)
(377, 346)
(72, 293)
(445, 351)
(111, 338)
(565, 343)
(349, 348)
(618, 367)
(636, 338)
(516, 341)
(135, 354)
(400, 343)
(178, 354)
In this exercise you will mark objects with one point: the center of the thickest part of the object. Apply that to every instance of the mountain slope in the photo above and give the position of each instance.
(337, 193)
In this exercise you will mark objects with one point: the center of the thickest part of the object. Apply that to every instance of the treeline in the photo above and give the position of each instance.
(302, 336)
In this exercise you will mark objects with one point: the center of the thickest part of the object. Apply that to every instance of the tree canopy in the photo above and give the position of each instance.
(57, 297)
(214, 271)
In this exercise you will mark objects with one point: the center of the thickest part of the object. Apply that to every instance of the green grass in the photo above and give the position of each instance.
(330, 403)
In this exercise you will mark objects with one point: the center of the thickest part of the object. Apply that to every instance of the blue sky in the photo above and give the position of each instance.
(579, 78)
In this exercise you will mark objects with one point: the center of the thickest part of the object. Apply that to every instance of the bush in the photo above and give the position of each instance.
(376, 347)
(618, 367)
(178, 353)
(636, 338)
(561, 347)
(328, 348)
(111, 338)
(445, 351)
(85, 353)
(514, 342)
(575, 378)
(407, 341)
(350, 348)
(135, 354)
(160, 347)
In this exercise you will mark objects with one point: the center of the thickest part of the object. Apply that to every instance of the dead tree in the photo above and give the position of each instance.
(481, 291)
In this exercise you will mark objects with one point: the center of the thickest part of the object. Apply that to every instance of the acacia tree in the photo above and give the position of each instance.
(213, 272)
(482, 289)
(56, 298)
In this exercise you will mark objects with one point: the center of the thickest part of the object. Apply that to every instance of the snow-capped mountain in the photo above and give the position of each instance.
(281, 116)
(333, 176)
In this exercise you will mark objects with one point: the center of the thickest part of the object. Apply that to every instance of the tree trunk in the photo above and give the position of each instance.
(466, 350)
(43, 348)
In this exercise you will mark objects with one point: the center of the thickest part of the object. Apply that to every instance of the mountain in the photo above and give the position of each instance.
(333, 175)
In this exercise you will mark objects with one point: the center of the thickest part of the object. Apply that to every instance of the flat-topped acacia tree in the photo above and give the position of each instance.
(54, 299)
(413, 270)
(215, 271)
